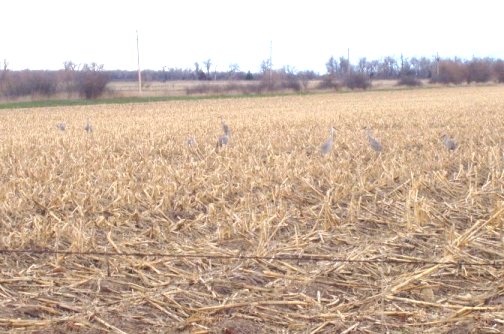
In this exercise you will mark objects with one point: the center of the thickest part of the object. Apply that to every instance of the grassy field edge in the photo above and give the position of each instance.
(148, 99)
(127, 100)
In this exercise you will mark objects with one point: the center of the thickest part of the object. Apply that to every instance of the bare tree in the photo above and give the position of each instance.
(233, 68)
(372, 67)
(305, 77)
(362, 67)
(200, 75)
(70, 66)
(69, 76)
(92, 81)
(498, 69)
(344, 65)
(389, 68)
(422, 67)
(332, 67)
(265, 66)
(208, 64)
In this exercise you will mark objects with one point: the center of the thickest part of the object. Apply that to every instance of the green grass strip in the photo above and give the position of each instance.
(127, 100)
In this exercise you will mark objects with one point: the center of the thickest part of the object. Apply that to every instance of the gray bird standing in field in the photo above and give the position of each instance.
(375, 144)
(225, 127)
(191, 141)
(61, 126)
(88, 128)
(327, 146)
(449, 143)
(224, 139)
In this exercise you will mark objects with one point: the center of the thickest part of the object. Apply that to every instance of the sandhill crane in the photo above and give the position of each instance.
(88, 128)
(222, 141)
(225, 127)
(327, 146)
(191, 141)
(61, 126)
(375, 144)
(449, 143)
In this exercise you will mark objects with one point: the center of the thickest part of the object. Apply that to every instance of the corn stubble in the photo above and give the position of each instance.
(134, 185)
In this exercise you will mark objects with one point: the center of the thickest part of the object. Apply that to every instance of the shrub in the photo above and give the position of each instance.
(357, 81)
(451, 71)
(280, 80)
(91, 81)
(329, 83)
(30, 83)
(498, 70)
(44, 83)
(291, 83)
(204, 89)
(409, 80)
(478, 70)
(251, 88)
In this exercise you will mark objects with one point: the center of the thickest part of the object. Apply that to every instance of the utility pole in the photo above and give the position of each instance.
(271, 63)
(138, 61)
(348, 61)
(437, 64)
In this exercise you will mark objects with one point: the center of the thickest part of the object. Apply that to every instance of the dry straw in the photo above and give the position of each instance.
(409, 240)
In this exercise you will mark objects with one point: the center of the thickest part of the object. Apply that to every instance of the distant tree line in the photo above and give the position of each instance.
(411, 71)
(87, 81)
(90, 80)
(388, 68)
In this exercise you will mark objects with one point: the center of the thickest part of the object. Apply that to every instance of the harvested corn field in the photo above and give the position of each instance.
(264, 234)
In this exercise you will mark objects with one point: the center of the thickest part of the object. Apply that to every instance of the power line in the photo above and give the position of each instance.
(138, 61)
(305, 257)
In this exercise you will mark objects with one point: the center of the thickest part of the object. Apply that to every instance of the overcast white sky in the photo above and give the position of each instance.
(38, 34)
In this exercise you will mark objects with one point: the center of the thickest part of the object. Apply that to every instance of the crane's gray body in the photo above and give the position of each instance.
(373, 142)
(225, 127)
(88, 128)
(191, 141)
(449, 143)
(327, 146)
(224, 139)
